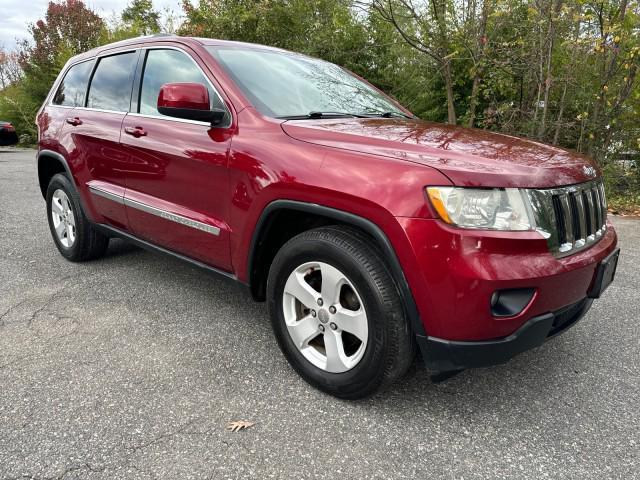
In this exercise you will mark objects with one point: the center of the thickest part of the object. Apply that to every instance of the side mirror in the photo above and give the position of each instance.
(189, 101)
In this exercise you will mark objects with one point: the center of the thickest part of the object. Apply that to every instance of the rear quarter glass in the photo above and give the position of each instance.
(72, 88)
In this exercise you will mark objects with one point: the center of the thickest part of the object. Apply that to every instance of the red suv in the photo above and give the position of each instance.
(371, 234)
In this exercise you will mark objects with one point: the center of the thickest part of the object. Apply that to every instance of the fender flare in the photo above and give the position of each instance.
(65, 164)
(348, 218)
(61, 159)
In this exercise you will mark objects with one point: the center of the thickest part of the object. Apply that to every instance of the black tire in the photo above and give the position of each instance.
(89, 243)
(391, 346)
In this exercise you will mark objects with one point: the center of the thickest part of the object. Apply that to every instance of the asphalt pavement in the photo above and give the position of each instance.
(132, 365)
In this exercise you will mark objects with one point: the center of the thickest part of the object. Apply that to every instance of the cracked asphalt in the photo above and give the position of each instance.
(130, 367)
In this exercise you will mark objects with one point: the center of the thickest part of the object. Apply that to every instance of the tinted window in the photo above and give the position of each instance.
(282, 84)
(73, 86)
(111, 83)
(169, 66)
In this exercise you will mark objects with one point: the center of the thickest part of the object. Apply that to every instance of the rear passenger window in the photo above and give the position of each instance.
(73, 86)
(169, 66)
(110, 87)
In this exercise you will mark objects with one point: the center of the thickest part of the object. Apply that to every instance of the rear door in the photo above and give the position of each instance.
(56, 119)
(177, 182)
(96, 136)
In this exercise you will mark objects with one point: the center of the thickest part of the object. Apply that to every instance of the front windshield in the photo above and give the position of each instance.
(283, 84)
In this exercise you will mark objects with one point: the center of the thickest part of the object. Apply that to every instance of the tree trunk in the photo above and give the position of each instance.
(540, 81)
(439, 9)
(542, 127)
(448, 80)
(551, 33)
(601, 118)
(473, 100)
(477, 76)
(556, 135)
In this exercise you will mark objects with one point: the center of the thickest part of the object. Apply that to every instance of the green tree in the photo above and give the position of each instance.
(428, 27)
(561, 71)
(324, 28)
(67, 29)
(141, 17)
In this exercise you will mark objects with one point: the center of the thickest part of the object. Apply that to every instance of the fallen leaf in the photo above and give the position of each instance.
(238, 425)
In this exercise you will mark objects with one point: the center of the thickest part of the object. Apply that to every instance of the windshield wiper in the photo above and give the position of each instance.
(316, 115)
(388, 114)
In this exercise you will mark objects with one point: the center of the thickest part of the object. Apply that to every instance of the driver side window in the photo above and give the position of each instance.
(170, 66)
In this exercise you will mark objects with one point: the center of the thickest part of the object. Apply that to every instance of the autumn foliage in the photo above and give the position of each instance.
(562, 72)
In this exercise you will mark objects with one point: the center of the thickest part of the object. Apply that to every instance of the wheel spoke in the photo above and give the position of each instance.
(60, 229)
(298, 287)
(334, 350)
(332, 281)
(354, 322)
(304, 331)
(72, 219)
(56, 207)
(70, 236)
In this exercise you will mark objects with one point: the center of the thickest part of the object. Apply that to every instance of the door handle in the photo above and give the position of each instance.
(135, 131)
(75, 121)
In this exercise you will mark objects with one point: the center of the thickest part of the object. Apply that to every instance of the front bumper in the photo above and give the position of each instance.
(453, 273)
(449, 355)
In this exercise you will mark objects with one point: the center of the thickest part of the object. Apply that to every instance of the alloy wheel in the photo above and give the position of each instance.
(64, 221)
(325, 317)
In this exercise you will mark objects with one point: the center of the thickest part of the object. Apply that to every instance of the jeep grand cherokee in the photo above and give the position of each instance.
(370, 233)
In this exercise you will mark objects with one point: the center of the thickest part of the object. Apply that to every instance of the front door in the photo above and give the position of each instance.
(177, 181)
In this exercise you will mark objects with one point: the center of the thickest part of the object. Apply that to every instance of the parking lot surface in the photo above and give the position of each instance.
(132, 365)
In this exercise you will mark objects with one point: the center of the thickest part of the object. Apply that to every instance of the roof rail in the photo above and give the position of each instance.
(153, 35)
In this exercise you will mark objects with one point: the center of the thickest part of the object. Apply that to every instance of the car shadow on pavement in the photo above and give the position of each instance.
(530, 377)
(539, 377)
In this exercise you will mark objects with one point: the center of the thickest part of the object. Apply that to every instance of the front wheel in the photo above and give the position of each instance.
(337, 314)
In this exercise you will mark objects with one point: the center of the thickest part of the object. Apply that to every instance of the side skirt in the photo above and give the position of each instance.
(114, 232)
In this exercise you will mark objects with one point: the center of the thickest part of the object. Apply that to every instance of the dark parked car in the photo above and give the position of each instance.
(370, 233)
(8, 135)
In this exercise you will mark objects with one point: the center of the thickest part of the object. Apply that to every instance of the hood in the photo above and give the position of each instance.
(469, 157)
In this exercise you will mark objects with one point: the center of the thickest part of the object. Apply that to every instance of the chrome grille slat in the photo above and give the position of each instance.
(600, 203)
(587, 201)
(603, 198)
(567, 242)
(579, 220)
(603, 211)
(571, 218)
(593, 212)
(559, 213)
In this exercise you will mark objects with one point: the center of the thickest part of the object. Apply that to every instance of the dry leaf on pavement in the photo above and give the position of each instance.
(238, 425)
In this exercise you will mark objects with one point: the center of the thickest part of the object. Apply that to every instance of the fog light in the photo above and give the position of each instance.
(511, 302)
(494, 298)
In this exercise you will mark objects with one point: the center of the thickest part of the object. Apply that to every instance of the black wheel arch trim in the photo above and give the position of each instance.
(61, 159)
(65, 164)
(350, 219)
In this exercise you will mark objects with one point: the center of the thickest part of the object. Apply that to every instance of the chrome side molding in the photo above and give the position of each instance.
(106, 194)
(173, 217)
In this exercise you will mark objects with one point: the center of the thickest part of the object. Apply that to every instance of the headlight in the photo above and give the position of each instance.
(492, 209)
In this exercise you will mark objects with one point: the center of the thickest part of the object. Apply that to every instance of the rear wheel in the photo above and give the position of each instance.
(76, 238)
(336, 313)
